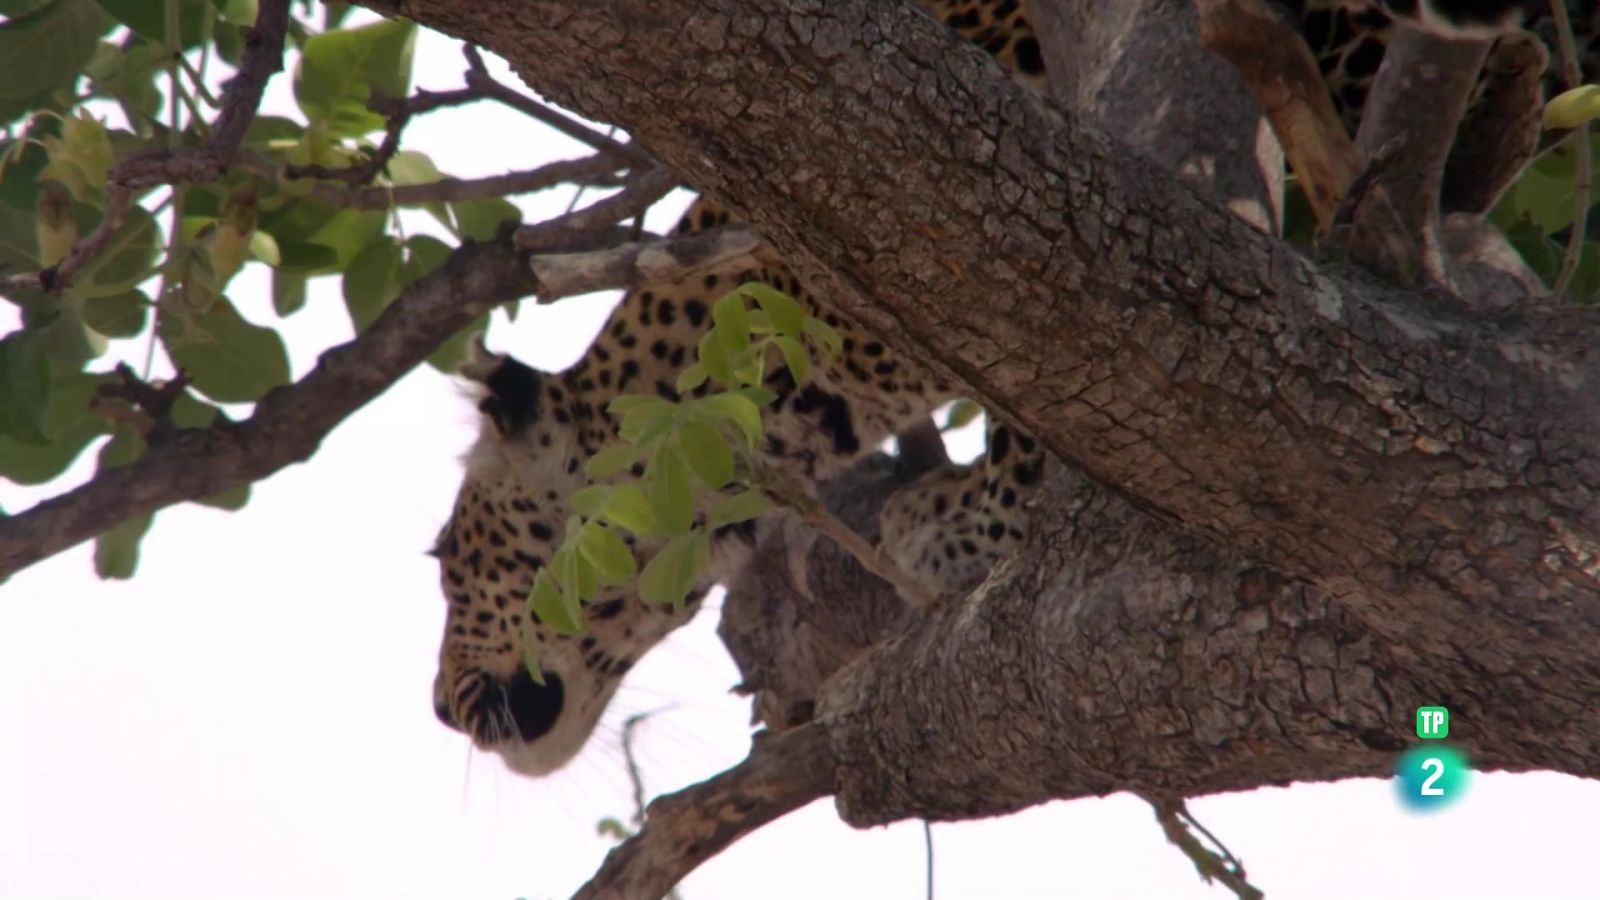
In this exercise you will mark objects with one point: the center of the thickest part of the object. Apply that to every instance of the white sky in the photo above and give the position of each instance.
(251, 717)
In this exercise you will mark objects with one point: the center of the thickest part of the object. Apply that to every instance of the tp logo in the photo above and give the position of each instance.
(1433, 776)
(1433, 723)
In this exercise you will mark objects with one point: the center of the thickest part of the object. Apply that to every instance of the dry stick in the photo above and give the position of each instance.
(1281, 74)
(597, 170)
(783, 772)
(1572, 74)
(637, 194)
(636, 263)
(263, 56)
(814, 513)
(1211, 866)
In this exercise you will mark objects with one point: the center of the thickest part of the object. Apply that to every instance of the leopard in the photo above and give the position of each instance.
(947, 530)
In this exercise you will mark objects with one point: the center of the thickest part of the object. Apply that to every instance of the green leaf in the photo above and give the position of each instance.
(670, 491)
(45, 50)
(612, 560)
(121, 315)
(189, 411)
(288, 291)
(758, 395)
(547, 604)
(714, 355)
(340, 70)
(455, 348)
(148, 19)
(128, 259)
(69, 426)
(372, 282)
(691, 378)
(1573, 108)
(233, 499)
(627, 507)
(116, 552)
(731, 509)
(707, 454)
(609, 461)
(962, 413)
(736, 408)
(410, 167)
(795, 357)
(478, 220)
(588, 502)
(732, 322)
(228, 359)
(786, 313)
(25, 374)
(670, 574)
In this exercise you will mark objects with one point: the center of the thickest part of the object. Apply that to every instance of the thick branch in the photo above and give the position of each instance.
(1114, 654)
(1330, 427)
(289, 423)
(783, 773)
(1418, 98)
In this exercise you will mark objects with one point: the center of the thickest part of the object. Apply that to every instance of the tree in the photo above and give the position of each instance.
(1274, 459)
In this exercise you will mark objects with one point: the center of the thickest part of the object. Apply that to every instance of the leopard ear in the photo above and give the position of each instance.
(480, 363)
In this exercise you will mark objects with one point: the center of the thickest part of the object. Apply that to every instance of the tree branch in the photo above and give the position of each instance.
(1418, 99)
(638, 193)
(593, 170)
(635, 263)
(289, 423)
(783, 773)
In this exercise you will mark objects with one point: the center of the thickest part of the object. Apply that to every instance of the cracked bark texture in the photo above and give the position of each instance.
(1422, 476)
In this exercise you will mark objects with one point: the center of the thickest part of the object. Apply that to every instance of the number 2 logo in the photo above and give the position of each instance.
(1435, 765)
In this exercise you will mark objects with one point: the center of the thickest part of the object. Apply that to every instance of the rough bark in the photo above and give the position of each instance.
(1334, 428)
(1424, 477)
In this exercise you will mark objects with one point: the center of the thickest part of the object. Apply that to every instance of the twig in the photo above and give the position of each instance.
(289, 423)
(480, 81)
(814, 513)
(783, 772)
(1175, 822)
(637, 194)
(397, 112)
(153, 401)
(1572, 74)
(596, 170)
(263, 56)
(636, 776)
(635, 263)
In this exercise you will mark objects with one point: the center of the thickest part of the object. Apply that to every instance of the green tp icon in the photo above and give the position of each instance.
(1433, 723)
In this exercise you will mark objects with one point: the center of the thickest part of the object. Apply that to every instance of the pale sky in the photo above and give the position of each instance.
(250, 716)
